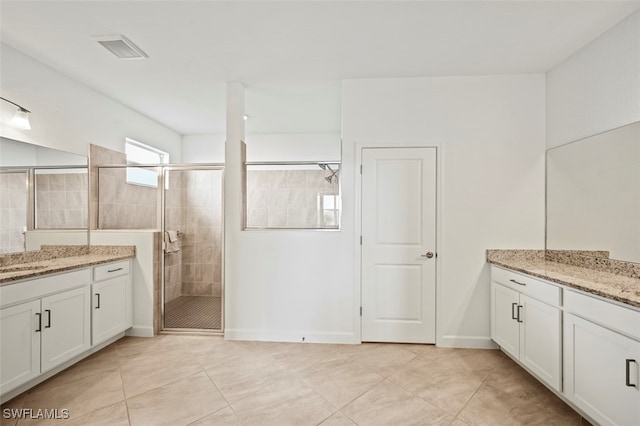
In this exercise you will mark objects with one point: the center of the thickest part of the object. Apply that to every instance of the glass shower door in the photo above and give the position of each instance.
(193, 284)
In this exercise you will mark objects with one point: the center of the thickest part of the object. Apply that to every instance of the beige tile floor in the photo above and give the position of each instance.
(205, 380)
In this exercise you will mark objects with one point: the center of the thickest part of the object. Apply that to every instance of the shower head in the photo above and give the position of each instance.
(331, 177)
(326, 167)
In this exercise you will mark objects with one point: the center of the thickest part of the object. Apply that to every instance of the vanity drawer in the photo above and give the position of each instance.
(611, 315)
(31, 288)
(525, 284)
(110, 270)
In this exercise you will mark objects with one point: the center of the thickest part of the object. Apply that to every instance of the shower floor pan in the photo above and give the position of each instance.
(194, 312)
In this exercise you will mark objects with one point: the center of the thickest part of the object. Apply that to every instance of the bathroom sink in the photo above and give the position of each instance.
(21, 268)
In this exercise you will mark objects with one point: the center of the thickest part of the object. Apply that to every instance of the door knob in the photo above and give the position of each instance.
(428, 255)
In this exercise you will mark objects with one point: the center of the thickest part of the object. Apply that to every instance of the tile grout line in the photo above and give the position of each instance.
(297, 375)
(126, 402)
(426, 399)
(223, 397)
(476, 391)
(382, 379)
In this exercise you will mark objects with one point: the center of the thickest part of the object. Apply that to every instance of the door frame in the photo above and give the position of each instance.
(162, 169)
(372, 144)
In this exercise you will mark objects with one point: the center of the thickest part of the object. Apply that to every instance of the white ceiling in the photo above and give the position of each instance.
(194, 47)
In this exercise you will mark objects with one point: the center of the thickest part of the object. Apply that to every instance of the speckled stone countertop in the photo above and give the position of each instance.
(52, 259)
(622, 287)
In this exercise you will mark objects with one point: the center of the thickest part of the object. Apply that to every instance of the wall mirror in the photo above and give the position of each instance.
(593, 194)
(42, 190)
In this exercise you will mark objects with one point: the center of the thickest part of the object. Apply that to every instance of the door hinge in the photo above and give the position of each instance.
(360, 239)
(360, 168)
(360, 310)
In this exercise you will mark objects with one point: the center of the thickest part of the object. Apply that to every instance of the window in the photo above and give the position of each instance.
(139, 153)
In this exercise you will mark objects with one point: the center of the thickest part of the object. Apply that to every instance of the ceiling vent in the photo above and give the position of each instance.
(121, 46)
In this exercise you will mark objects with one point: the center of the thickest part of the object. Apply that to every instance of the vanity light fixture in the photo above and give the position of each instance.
(20, 119)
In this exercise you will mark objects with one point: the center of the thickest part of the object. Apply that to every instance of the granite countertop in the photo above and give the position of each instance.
(601, 282)
(53, 259)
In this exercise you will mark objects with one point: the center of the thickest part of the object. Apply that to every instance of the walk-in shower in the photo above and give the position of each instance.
(184, 204)
(193, 291)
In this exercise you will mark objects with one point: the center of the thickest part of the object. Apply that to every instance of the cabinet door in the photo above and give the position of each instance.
(65, 326)
(596, 373)
(109, 309)
(505, 330)
(541, 340)
(19, 344)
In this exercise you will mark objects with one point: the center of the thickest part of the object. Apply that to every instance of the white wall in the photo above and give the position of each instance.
(598, 88)
(67, 115)
(290, 284)
(293, 147)
(265, 147)
(288, 121)
(206, 148)
(491, 133)
(15, 153)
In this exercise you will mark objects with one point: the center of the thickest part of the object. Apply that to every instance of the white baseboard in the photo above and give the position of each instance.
(290, 336)
(140, 331)
(468, 342)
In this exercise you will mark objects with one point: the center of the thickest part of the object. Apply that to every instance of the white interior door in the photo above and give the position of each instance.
(398, 245)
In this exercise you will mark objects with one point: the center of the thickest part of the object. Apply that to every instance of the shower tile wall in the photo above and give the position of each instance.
(286, 198)
(61, 200)
(202, 241)
(13, 211)
(120, 205)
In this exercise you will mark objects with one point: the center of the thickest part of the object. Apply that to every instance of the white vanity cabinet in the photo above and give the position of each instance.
(65, 327)
(20, 345)
(111, 301)
(49, 322)
(602, 359)
(43, 323)
(526, 321)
